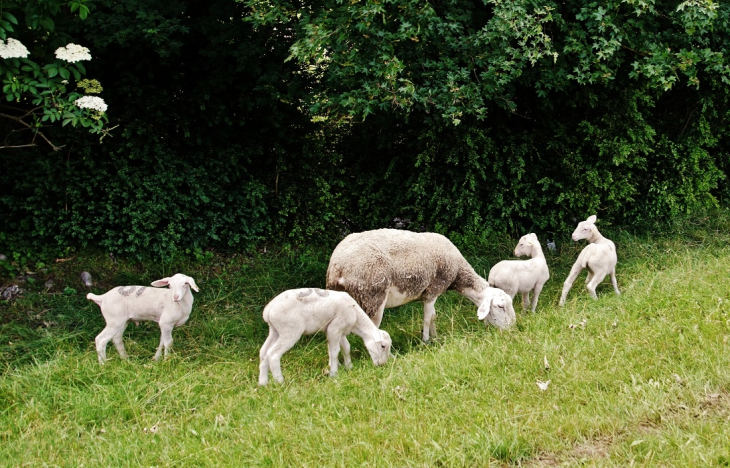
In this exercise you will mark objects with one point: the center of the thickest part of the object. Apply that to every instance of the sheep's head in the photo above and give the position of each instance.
(497, 309)
(379, 348)
(585, 229)
(179, 284)
(525, 245)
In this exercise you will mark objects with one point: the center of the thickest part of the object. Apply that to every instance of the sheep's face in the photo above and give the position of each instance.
(179, 284)
(585, 229)
(380, 350)
(524, 246)
(497, 310)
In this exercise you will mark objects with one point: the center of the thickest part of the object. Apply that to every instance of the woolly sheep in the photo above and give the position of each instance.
(306, 311)
(169, 307)
(389, 267)
(522, 276)
(599, 257)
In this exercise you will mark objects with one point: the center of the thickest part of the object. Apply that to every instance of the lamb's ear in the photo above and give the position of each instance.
(377, 337)
(592, 219)
(192, 284)
(161, 282)
(485, 308)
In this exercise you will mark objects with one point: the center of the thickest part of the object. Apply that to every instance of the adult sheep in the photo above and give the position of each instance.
(386, 268)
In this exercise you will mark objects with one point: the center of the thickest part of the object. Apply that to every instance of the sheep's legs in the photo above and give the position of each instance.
(429, 320)
(574, 272)
(345, 347)
(119, 343)
(526, 301)
(263, 356)
(103, 338)
(613, 281)
(333, 346)
(165, 340)
(283, 344)
(536, 295)
(595, 281)
(378, 316)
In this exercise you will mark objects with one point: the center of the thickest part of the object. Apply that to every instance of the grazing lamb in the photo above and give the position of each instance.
(599, 257)
(169, 307)
(390, 267)
(496, 308)
(298, 312)
(522, 276)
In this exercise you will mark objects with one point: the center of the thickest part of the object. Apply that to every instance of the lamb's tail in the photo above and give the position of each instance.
(95, 298)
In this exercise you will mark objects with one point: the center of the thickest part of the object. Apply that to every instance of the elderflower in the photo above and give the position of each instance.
(91, 102)
(73, 53)
(13, 49)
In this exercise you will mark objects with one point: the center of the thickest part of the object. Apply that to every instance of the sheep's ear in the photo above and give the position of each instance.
(533, 235)
(484, 309)
(377, 337)
(192, 284)
(592, 219)
(161, 282)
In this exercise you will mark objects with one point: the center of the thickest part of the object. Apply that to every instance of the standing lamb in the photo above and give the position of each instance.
(599, 257)
(522, 276)
(390, 267)
(298, 312)
(169, 307)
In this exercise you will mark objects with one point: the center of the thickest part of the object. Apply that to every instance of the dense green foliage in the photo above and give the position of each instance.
(642, 378)
(243, 123)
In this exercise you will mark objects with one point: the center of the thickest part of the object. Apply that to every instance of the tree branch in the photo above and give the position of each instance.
(35, 131)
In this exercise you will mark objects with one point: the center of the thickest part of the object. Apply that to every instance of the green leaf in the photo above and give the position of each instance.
(64, 73)
(9, 16)
(47, 23)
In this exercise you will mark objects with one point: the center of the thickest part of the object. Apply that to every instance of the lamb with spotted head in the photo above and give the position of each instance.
(306, 311)
(168, 307)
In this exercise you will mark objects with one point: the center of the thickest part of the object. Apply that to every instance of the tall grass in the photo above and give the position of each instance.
(640, 379)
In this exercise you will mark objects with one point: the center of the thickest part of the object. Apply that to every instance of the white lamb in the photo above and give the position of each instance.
(599, 257)
(522, 276)
(390, 267)
(306, 311)
(169, 307)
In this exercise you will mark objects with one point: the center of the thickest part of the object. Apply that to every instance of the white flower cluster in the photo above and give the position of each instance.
(73, 53)
(13, 49)
(91, 102)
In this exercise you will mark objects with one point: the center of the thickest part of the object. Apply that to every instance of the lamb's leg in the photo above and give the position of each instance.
(345, 347)
(536, 295)
(283, 344)
(165, 339)
(263, 356)
(595, 281)
(119, 343)
(333, 346)
(103, 338)
(429, 320)
(574, 272)
(589, 276)
(526, 300)
(613, 281)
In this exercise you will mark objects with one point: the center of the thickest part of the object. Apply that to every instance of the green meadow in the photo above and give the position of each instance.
(641, 379)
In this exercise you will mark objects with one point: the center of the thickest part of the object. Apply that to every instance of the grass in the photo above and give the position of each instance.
(640, 379)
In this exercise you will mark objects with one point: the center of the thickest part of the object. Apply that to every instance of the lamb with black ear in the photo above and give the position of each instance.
(168, 307)
(306, 311)
(389, 267)
(599, 257)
